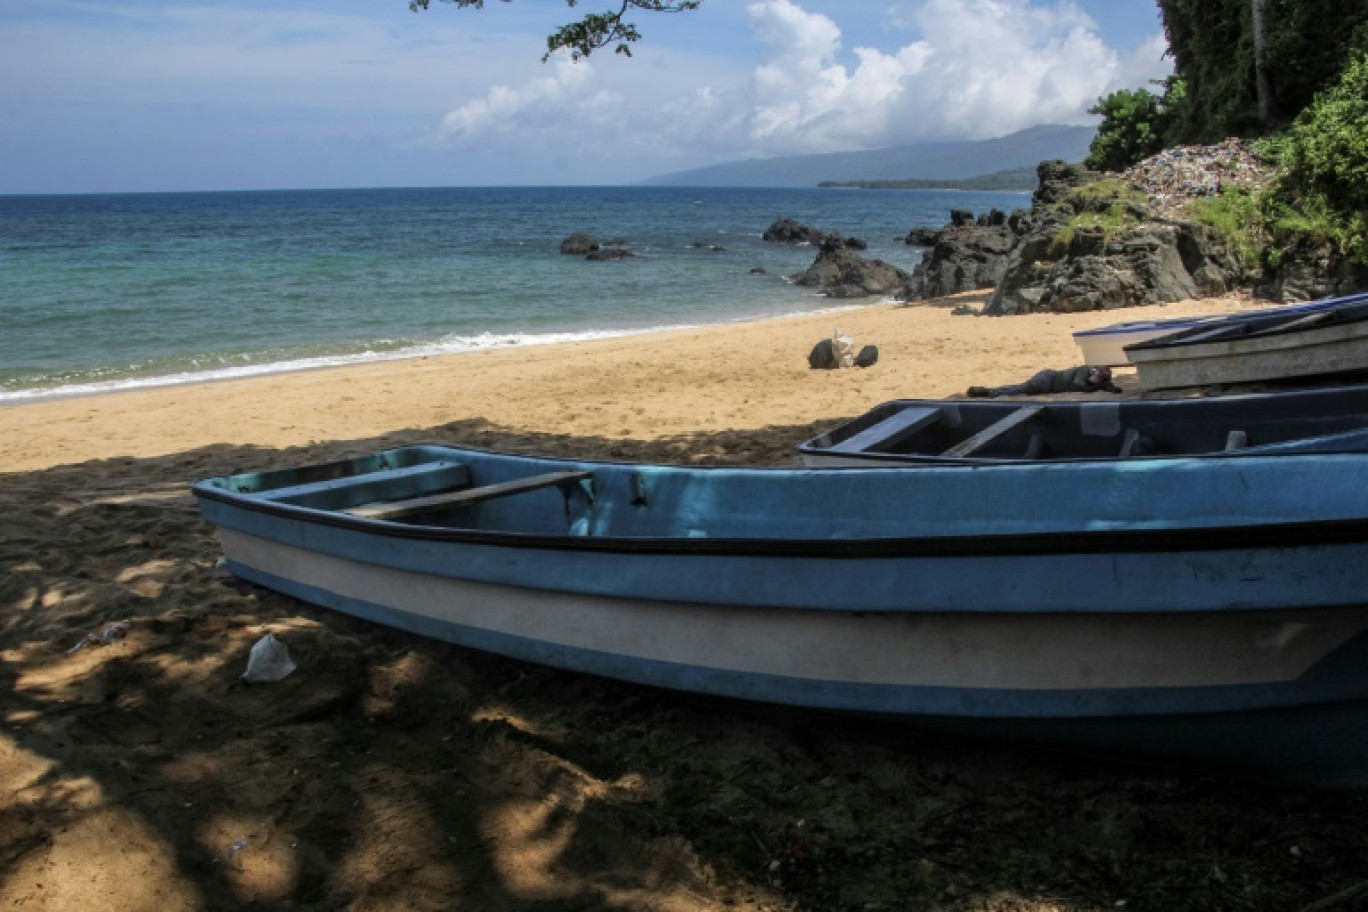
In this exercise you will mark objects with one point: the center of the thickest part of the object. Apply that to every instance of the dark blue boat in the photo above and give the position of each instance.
(910, 432)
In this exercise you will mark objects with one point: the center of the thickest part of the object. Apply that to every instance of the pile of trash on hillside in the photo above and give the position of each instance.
(1179, 175)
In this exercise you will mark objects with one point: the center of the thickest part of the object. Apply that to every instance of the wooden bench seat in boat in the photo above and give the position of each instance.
(397, 509)
(978, 441)
(883, 434)
(366, 487)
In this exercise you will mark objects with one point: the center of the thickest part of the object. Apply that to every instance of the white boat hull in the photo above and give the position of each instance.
(1048, 602)
(1338, 349)
(815, 656)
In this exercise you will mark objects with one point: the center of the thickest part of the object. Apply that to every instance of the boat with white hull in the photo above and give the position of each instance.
(1174, 609)
(1327, 342)
(1106, 345)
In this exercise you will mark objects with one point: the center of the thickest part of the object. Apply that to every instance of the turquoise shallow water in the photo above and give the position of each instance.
(114, 291)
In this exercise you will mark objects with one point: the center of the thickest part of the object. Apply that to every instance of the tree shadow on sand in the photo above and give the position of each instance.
(391, 771)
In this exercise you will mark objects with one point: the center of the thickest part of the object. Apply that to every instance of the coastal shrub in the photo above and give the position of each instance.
(1127, 132)
(1106, 197)
(1328, 144)
(1324, 189)
(1132, 128)
(1302, 224)
(1306, 44)
(1239, 215)
(1106, 206)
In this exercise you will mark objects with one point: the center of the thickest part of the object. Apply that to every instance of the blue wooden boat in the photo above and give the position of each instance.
(910, 432)
(1106, 345)
(1193, 610)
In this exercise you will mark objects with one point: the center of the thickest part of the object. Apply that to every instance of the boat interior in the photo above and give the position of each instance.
(436, 487)
(446, 488)
(954, 431)
(409, 484)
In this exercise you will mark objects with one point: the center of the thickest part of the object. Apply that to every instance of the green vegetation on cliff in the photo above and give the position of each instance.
(1250, 66)
(1236, 214)
(1324, 189)
(1292, 72)
(1134, 124)
(1102, 208)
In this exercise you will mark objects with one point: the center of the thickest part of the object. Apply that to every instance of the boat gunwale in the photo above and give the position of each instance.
(1347, 322)
(1290, 311)
(893, 460)
(1304, 405)
(1264, 535)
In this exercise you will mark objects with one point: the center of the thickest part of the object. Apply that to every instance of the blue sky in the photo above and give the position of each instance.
(151, 95)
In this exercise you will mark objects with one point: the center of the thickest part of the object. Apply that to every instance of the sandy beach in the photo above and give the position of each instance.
(740, 377)
(390, 772)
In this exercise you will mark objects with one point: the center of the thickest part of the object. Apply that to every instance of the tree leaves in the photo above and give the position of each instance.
(594, 31)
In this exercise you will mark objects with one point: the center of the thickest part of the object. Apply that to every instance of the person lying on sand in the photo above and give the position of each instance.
(1081, 379)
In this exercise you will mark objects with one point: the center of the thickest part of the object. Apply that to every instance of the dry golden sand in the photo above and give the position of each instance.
(743, 376)
(392, 772)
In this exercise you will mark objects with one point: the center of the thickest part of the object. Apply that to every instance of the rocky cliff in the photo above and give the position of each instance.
(1086, 243)
(1095, 241)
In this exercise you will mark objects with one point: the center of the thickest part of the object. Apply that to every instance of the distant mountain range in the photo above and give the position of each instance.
(921, 162)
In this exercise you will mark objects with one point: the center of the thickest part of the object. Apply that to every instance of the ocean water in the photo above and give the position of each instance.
(115, 291)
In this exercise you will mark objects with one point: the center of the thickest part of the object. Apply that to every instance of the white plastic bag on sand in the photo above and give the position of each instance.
(843, 349)
(112, 634)
(269, 661)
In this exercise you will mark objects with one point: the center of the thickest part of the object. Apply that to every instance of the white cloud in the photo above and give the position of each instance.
(1145, 65)
(804, 98)
(227, 92)
(542, 101)
(973, 69)
(1001, 65)
(950, 69)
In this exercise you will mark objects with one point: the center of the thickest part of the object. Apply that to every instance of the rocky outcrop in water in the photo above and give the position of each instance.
(841, 273)
(587, 246)
(921, 237)
(788, 231)
(967, 255)
(579, 244)
(607, 254)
